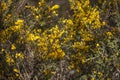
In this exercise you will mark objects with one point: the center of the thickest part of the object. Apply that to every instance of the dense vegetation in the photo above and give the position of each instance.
(60, 40)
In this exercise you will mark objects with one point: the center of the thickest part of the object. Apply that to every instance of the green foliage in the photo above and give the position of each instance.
(40, 43)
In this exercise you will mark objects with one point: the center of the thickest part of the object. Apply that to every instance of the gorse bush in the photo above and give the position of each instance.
(41, 42)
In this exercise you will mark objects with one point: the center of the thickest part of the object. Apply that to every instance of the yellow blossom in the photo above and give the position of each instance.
(19, 22)
(55, 13)
(92, 78)
(64, 21)
(38, 30)
(70, 22)
(109, 33)
(9, 59)
(71, 66)
(100, 74)
(94, 72)
(36, 17)
(4, 6)
(117, 54)
(15, 70)
(49, 16)
(83, 61)
(103, 23)
(17, 74)
(51, 40)
(70, 0)
(32, 37)
(19, 55)
(2, 49)
(27, 6)
(78, 70)
(45, 71)
(55, 7)
(35, 9)
(15, 28)
(13, 47)
(53, 72)
(62, 54)
(97, 45)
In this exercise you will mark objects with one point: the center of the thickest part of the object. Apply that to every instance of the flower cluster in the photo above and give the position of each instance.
(42, 44)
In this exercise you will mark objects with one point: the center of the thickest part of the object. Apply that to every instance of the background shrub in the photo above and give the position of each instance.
(65, 40)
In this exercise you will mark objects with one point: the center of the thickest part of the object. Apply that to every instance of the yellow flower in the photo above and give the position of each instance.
(78, 70)
(27, 6)
(51, 40)
(19, 55)
(36, 17)
(117, 54)
(38, 30)
(15, 70)
(94, 72)
(62, 54)
(53, 72)
(9, 60)
(19, 22)
(55, 13)
(4, 6)
(32, 37)
(13, 47)
(83, 61)
(17, 74)
(36, 9)
(109, 33)
(70, 22)
(103, 23)
(100, 74)
(16, 28)
(2, 50)
(70, 0)
(92, 78)
(71, 66)
(45, 71)
(55, 7)
(97, 45)
(39, 3)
